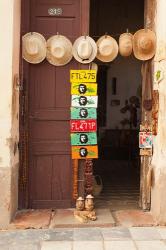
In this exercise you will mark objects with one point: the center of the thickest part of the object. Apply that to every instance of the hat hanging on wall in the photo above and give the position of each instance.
(33, 47)
(59, 50)
(84, 49)
(125, 44)
(144, 44)
(107, 48)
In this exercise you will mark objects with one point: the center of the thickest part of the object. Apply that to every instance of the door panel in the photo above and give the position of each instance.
(49, 101)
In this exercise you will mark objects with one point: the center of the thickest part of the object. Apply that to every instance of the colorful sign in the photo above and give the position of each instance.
(83, 125)
(84, 152)
(83, 139)
(145, 140)
(83, 89)
(84, 101)
(83, 113)
(82, 76)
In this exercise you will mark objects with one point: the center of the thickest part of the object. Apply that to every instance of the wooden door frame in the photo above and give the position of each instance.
(145, 189)
(149, 14)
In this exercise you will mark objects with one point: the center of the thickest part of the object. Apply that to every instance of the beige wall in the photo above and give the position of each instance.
(159, 156)
(9, 50)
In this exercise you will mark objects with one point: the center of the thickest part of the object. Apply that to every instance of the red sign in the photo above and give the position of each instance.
(83, 125)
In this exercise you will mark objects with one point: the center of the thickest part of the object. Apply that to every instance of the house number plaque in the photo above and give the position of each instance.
(55, 11)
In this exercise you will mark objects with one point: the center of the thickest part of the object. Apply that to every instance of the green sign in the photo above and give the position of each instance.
(83, 139)
(83, 113)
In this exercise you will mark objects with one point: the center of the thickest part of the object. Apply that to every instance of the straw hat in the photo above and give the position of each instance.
(84, 49)
(33, 47)
(59, 50)
(125, 44)
(107, 49)
(144, 44)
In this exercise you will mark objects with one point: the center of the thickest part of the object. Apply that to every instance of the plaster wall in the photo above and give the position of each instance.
(158, 202)
(10, 25)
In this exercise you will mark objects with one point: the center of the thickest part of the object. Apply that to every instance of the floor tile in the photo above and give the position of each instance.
(134, 217)
(119, 245)
(87, 234)
(162, 232)
(87, 245)
(65, 218)
(21, 246)
(60, 235)
(56, 245)
(39, 218)
(117, 233)
(150, 245)
(144, 233)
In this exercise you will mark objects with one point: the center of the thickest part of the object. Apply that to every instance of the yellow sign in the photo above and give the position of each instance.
(83, 88)
(82, 76)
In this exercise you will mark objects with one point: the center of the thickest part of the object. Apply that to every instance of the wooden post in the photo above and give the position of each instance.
(145, 189)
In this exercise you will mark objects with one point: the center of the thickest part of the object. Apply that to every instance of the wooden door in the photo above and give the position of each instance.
(49, 167)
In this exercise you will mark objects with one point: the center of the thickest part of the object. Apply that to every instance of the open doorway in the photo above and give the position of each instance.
(119, 109)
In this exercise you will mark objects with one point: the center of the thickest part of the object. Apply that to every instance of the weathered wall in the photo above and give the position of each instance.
(159, 156)
(9, 50)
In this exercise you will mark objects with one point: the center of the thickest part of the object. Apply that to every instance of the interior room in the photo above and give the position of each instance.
(117, 171)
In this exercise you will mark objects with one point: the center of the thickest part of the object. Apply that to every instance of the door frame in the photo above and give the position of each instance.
(149, 14)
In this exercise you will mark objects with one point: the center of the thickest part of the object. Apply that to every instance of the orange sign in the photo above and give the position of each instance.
(84, 152)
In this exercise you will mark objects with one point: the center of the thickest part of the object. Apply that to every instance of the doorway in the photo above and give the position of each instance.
(119, 109)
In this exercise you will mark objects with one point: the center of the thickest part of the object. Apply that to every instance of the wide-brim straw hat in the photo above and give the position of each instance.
(144, 44)
(84, 49)
(107, 49)
(126, 44)
(33, 47)
(59, 50)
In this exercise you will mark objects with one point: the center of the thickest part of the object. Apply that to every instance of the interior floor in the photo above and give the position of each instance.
(120, 185)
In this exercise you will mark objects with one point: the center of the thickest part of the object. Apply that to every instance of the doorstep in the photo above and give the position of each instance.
(64, 218)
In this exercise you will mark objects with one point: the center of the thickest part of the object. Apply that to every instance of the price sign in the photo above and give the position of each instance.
(83, 125)
(83, 113)
(84, 152)
(82, 76)
(83, 139)
(84, 101)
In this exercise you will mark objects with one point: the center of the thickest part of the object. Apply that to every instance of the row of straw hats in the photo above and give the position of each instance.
(58, 49)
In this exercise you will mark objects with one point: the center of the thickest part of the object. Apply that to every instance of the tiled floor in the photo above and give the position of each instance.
(115, 238)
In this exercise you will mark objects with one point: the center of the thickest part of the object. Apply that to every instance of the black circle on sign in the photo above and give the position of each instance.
(83, 152)
(83, 113)
(83, 138)
(83, 100)
(82, 88)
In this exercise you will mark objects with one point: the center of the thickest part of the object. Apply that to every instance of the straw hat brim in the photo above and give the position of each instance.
(68, 52)
(114, 53)
(137, 52)
(94, 50)
(42, 52)
(125, 51)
